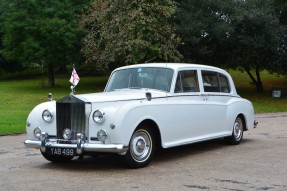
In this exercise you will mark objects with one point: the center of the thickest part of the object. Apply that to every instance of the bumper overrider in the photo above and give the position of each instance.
(255, 123)
(80, 145)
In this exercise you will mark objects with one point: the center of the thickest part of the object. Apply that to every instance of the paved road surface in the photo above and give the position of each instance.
(259, 163)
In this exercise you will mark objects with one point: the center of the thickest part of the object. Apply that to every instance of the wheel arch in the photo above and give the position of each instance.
(154, 127)
(243, 118)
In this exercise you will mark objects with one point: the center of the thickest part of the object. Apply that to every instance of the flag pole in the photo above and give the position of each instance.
(73, 91)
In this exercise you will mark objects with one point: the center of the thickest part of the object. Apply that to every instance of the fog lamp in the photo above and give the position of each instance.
(67, 134)
(37, 132)
(102, 135)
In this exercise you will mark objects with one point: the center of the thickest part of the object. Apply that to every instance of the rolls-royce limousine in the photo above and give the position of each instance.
(143, 107)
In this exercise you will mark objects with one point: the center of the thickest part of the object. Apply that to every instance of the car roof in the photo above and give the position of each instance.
(182, 66)
(174, 66)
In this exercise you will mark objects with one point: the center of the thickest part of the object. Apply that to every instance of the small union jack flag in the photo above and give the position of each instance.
(74, 77)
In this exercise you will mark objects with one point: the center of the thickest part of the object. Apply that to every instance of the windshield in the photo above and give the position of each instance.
(133, 78)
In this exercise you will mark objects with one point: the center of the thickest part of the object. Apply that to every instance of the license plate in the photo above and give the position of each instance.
(62, 151)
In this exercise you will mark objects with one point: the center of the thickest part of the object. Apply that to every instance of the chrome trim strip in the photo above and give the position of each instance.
(88, 112)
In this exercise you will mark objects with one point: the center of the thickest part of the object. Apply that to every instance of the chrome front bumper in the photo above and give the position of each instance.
(80, 146)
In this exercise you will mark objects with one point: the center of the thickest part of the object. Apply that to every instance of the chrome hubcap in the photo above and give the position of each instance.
(238, 129)
(140, 146)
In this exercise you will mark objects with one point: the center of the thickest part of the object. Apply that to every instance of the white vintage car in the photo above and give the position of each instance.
(142, 107)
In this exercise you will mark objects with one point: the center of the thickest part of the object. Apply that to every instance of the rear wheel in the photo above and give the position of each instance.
(141, 148)
(56, 159)
(237, 133)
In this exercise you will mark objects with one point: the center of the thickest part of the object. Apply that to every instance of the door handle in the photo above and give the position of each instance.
(204, 96)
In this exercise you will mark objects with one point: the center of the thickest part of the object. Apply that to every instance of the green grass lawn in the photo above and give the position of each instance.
(262, 102)
(19, 97)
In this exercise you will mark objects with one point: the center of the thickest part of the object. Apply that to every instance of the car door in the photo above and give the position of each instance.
(186, 106)
(216, 94)
(198, 107)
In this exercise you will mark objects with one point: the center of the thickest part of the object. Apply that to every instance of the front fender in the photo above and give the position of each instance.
(129, 116)
(35, 120)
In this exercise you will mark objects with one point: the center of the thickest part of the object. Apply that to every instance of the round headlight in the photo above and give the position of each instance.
(67, 134)
(47, 116)
(37, 132)
(99, 116)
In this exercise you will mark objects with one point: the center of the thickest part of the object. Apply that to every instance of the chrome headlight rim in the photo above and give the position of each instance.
(47, 116)
(99, 116)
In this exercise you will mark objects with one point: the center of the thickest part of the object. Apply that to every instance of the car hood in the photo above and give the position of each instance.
(120, 95)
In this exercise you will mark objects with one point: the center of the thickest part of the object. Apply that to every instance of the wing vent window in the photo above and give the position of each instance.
(186, 82)
(215, 82)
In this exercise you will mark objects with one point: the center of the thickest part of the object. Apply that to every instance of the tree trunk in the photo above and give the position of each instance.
(63, 68)
(259, 85)
(257, 82)
(51, 75)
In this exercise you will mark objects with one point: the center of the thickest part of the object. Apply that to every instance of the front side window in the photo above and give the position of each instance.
(143, 77)
(186, 82)
(215, 82)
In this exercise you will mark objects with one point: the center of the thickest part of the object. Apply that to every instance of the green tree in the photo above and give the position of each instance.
(123, 32)
(237, 34)
(5, 65)
(42, 32)
(281, 8)
(204, 29)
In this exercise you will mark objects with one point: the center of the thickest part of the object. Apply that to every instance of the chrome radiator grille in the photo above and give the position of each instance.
(71, 114)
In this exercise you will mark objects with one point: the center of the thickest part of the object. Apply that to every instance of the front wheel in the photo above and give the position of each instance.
(141, 148)
(237, 133)
(55, 158)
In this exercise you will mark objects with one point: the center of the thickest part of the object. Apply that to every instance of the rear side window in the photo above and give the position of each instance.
(215, 82)
(187, 81)
(224, 85)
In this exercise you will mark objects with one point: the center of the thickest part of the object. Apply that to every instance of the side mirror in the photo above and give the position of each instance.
(148, 96)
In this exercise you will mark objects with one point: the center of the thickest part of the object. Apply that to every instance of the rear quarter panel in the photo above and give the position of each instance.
(239, 106)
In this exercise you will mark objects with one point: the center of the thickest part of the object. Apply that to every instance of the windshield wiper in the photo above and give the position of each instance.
(113, 90)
